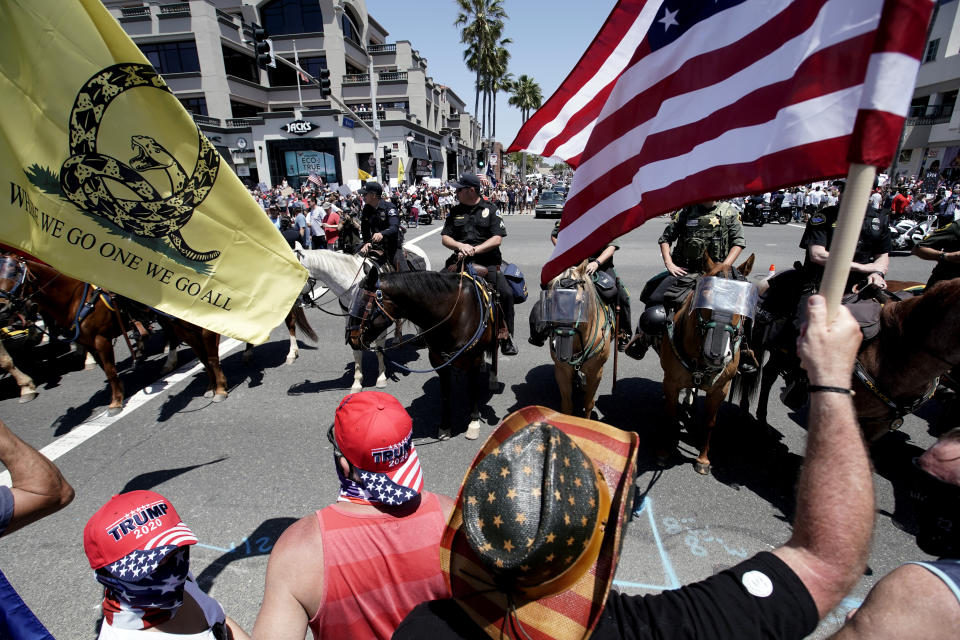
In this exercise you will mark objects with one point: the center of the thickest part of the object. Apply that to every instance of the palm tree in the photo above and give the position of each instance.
(526, 97)
(502, 80)
(481, 23)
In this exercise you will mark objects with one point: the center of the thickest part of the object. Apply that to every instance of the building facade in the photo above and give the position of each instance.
(931, 138)
(269, 127)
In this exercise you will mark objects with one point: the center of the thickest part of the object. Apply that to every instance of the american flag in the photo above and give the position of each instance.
(144, 587)
(315, 179)
(680, 101)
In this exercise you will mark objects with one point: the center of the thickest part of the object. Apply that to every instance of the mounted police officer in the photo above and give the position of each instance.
(709, 228)
(610, 289)
(380, 226)
(871, 259)
(474, 231)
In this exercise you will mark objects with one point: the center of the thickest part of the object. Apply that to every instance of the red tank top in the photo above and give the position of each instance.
(376, 568)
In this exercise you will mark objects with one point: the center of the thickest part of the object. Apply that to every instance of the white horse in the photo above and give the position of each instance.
(342, 273)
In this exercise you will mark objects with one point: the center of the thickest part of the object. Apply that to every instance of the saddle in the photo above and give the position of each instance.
(480, 272)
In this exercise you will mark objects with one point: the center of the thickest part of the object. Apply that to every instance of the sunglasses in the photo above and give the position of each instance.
(333, 441)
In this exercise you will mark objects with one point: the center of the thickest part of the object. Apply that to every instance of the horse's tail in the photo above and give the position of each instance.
(300, 318)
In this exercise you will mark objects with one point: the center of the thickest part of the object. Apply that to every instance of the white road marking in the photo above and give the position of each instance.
(426, 235)
(92, 427)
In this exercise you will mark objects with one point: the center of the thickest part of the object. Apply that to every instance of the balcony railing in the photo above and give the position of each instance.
(227, 17)
(367, 116)
(239, 123)
(134, 12)
(175, 9)
(388, 76)
(356, 78)
(382, 48)
(206, 120)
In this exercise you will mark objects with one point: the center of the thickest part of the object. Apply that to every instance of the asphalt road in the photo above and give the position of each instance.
(241, 471)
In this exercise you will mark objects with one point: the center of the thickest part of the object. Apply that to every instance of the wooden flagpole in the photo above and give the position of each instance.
(853, 207)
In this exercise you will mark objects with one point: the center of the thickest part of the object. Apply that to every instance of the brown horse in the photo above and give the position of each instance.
(28, 390)
(701, 351)
(580, 343)
(61, 298)
(455, 319)
(897, 371)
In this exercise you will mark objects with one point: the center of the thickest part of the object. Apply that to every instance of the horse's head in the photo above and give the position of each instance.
(567, 307)
(13, 273)
(721, 305)
(367, 319)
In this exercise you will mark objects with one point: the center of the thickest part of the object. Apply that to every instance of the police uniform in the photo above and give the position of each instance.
(874, 241)
(384, 219)
(946, 239)
(697, 229)
(474, 225)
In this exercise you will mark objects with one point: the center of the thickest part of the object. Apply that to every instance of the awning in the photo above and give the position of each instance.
(435, 154)
(418, 150)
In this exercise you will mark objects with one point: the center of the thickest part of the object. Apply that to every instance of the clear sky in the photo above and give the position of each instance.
(549, 36)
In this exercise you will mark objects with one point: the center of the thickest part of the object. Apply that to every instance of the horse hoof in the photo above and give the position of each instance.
(208, 393)
(220, 397)
(27, 397)
(444, 434)
(473, 431)
(381, 383)
(114, 411)
(356, 388)
(291, 359)
(702, 468)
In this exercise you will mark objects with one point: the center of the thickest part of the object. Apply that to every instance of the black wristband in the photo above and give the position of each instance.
(813, 388)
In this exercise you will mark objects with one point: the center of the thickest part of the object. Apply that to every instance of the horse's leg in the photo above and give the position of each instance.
(473, 393)
(711, 408)
(358, 371)
(104, 348)
(563, 373)
(594, 375)
(769, 376)
(668, 441)
(171, 348)
(218, 381)
(445, 403)
(28, 390)
(291, 322)
(381, 364)
(248, 354)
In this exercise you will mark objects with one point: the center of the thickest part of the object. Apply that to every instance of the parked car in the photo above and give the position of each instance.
(550, 204)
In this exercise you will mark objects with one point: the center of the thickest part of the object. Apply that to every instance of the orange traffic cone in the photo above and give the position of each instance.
(772, 272)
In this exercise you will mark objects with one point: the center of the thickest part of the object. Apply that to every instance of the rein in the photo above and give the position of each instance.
(481, 326)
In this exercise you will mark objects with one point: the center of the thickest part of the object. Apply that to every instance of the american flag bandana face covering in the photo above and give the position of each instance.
(144, 588)
(351, 491)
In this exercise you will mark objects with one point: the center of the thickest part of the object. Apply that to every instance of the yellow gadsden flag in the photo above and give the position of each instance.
(363, 175)
(111, 182)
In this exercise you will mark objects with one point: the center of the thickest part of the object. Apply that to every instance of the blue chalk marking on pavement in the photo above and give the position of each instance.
(667, 565)
(647, 506)
(207, 546)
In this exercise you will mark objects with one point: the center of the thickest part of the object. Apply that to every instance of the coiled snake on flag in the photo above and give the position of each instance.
(84, 175)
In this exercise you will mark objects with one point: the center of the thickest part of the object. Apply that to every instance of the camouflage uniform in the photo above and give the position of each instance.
(697, 229)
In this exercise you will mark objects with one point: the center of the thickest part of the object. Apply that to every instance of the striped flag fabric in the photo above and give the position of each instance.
(315, 179)
(678, 101)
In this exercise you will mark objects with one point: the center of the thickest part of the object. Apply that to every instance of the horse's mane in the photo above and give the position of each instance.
(423, 284)
(922, 314)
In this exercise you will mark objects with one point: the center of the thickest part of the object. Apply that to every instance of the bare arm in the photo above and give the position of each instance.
(910, 602)
(294, 579)
(819, 254)
(601, 260)
(236, 631)
(668, 261)
(735, 251)
(929, 253)
(834, 517)
(37, 485)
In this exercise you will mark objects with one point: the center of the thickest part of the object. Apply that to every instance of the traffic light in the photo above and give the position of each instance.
(385, 162)
(324, 80)
(262, 47)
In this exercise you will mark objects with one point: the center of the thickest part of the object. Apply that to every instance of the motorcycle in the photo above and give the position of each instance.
(908, 232)
(754, 212)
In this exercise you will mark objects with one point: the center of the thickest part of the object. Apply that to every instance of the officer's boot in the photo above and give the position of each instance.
(508, 347)
(637, 347)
